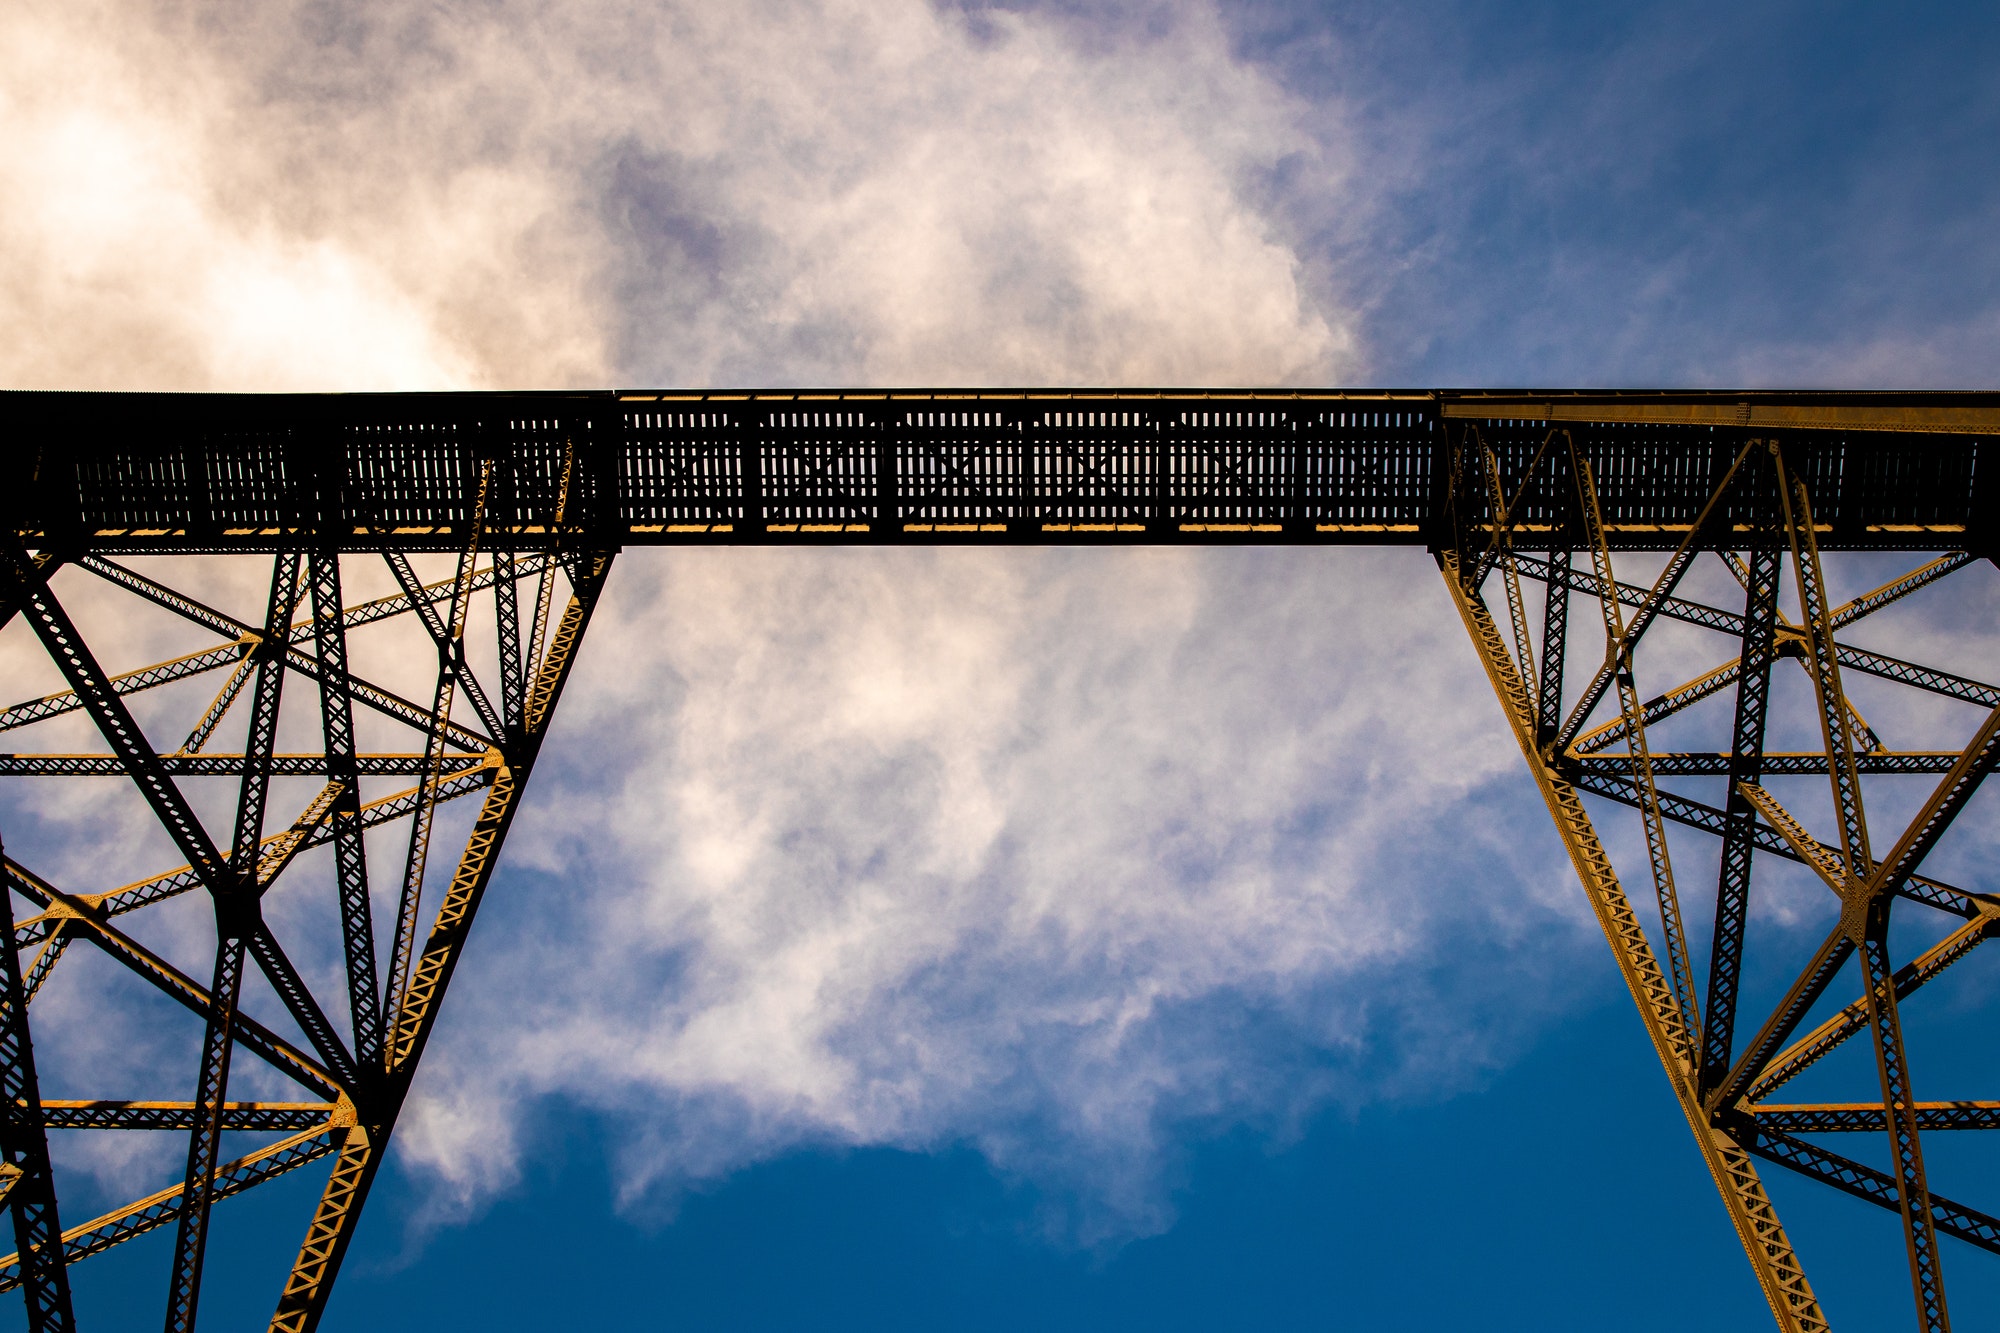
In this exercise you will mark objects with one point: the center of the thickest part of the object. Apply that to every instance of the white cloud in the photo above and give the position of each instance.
(1046, 852)
(123, 271)
(528, 194)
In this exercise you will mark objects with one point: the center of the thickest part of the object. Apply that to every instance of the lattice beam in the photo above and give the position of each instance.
(1768, 520)
(514, 502)
(362, 1037)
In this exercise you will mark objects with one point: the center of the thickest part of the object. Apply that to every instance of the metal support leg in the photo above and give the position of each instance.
(24, 1147)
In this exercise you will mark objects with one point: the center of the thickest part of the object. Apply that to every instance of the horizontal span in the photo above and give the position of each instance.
(155, 472)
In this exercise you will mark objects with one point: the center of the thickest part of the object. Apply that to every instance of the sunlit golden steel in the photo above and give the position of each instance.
(513, 487)
(1729, 1118)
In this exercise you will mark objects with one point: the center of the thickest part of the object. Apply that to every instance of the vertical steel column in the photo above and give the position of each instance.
(211, 1090)
(304, 1299)
(24, 1145)
(1746, 762)
(357, 924)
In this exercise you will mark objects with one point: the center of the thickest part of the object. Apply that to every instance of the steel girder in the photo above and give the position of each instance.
(1513, 491)
(1731, 1039)
(294, 665)
(126, 473)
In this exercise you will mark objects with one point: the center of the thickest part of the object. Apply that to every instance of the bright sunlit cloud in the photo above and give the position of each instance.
(1057, 854)
(408, 196)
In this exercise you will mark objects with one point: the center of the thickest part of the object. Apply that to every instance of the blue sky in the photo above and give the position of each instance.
(918, 940)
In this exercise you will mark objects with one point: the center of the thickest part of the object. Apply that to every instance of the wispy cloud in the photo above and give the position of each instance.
(1056, 854)
(403, 195)
(1061, 855)
(1025, 851)
(1659, 194)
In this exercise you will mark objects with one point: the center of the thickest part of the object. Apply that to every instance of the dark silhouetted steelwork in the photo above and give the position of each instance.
(518, 502)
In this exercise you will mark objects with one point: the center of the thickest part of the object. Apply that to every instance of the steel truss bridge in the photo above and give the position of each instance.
(355, 732)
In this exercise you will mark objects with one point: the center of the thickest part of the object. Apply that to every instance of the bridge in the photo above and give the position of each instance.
(1537, 505)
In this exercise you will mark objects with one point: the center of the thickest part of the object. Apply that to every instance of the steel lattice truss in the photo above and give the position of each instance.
(381, 770)
(375, 601)
(1567, 673)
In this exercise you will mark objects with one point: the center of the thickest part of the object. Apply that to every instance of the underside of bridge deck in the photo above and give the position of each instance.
(367, 608)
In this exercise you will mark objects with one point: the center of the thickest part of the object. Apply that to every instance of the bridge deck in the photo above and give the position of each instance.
(156, 472)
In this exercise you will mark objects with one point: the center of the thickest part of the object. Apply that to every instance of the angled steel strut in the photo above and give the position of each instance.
(355, 1071)
(293, 557)
(1758, 521)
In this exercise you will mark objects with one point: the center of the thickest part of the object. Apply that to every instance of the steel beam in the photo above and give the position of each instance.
(1766, 513)
(525, 497)
(940, 467)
